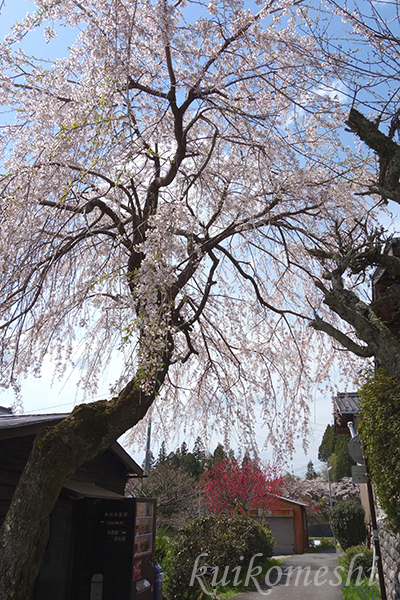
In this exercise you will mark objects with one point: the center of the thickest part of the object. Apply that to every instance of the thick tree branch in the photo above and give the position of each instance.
(135, 85)
(387, 150)
(321, 325)
(378, 339)
(206, 293)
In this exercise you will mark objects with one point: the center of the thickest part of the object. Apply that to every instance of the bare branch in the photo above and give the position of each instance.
(245, 275)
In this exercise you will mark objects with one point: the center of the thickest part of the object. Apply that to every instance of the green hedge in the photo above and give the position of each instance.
(356, 557)
(228, 542)
(347, 519)
(380, 431)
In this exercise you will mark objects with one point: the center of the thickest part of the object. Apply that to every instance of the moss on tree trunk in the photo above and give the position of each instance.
(57, 453)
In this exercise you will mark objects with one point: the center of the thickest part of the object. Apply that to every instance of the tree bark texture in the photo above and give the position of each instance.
(379, 340)
(388, 152)
(57, 453)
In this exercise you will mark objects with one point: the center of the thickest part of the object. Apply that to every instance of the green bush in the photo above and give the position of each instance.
(380, 431)
(228, 542)
(347, 519)
(164, 543)
(361, 557)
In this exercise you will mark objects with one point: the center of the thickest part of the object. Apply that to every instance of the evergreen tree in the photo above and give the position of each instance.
(162, 455)
(326, 448)
(200, 454)
(218, 454)
(174, 459)
(334, 448)
(193, 462)
(181, 459)
(184, 449)
(311, 472)
(343, 458)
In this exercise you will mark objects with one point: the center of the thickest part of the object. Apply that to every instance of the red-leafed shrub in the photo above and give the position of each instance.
(231, 487)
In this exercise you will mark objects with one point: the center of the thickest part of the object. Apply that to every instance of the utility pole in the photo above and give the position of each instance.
(329, 484)
(147, 456)
(328, 468)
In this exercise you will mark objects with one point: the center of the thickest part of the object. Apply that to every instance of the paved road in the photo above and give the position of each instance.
(304, 577)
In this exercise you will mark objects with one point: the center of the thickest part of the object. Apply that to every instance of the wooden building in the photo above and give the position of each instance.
(345, 410)
(288, 524)
(101, 543)
(386, 292)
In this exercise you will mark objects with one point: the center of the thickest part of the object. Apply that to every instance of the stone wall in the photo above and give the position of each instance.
(390, 549)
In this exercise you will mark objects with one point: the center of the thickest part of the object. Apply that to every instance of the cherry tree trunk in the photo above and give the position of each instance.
(57, 453)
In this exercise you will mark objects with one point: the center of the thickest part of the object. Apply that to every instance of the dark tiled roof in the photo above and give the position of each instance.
(17, 425)
(89, 490)
(347, 403)
(13, 426)
(292, 501)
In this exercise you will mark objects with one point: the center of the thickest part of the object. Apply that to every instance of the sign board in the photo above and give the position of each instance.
(355, 450)
(358, 474)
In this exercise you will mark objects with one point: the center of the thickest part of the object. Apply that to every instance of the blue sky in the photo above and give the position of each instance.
(44, 395)
(16, 10)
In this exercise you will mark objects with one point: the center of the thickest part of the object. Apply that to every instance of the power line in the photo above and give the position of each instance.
(50, 407)
(91, 399)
